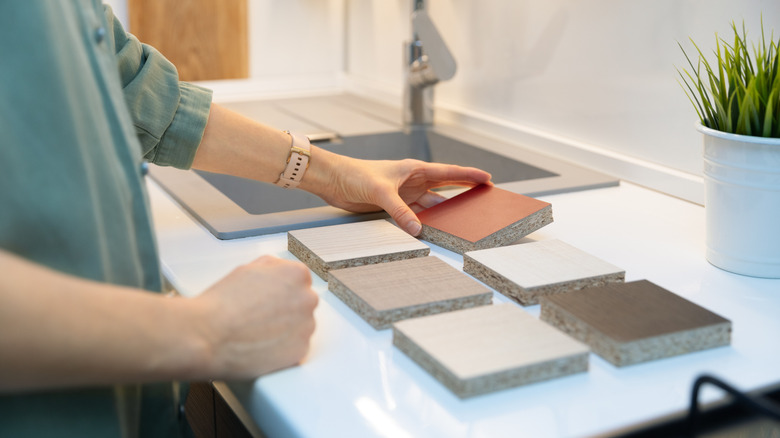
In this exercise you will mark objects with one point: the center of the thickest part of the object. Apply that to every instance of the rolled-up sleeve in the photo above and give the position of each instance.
(169, 115)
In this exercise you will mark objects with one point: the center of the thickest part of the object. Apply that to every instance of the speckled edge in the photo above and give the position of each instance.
(308, 257)
(503, 237)
(321, 268)
(379, 258)
(465, 388)
(531, 295)
(381, 320)
(642, 350)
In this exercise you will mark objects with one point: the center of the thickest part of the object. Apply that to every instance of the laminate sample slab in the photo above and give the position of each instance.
(489, 348)
(353, 244)
(388, 292)
(628, 323)
(528, 271)
(483, 217)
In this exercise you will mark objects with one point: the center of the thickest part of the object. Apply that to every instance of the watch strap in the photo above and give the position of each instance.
(297, 161)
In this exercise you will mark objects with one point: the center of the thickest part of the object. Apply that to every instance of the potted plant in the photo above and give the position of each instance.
(737, 98)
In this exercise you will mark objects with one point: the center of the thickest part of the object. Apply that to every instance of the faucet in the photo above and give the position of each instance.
(428, 61)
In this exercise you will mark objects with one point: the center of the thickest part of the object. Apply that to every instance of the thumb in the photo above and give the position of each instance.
(403, 215)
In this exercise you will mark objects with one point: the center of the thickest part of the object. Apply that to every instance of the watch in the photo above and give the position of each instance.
(297, 161)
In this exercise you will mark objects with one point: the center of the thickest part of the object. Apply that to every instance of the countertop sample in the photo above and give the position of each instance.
(483, 217)
(353, 244)
(645, 322)
(354, 382)
(489, 348)
(383, 293)
(528, 271)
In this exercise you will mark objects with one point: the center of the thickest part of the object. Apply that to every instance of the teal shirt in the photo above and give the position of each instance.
(82, 105)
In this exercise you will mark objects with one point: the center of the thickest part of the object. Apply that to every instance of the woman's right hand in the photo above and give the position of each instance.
(259, 318)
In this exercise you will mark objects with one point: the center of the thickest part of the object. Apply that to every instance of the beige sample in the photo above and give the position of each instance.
(353, 244)
(489, 348)
(388, 292)
(528, 271)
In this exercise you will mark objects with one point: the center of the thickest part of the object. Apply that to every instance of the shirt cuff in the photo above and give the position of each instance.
(180, 142)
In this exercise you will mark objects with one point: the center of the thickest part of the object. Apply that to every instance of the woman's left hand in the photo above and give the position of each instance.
(402, 188)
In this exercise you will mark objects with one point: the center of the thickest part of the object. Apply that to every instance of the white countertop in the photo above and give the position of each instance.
(355, 383)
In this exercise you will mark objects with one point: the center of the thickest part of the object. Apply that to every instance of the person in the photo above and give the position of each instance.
(87, 348)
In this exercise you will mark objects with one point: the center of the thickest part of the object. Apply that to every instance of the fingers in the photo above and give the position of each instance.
(296, 271)
(429, 199)
(402, 214)
(424, 176)
(452, 174)
(259, 318)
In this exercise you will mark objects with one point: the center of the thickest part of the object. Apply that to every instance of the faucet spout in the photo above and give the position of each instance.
(428, 61)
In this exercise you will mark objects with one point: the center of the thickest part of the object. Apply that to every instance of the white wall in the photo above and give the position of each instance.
(595, 76)
(296, 38)
(599, 73)
(294, 45)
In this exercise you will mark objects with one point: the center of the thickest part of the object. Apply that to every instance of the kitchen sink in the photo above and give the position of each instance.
(232, 207)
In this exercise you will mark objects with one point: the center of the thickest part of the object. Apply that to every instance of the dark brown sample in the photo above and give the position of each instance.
(628, 323)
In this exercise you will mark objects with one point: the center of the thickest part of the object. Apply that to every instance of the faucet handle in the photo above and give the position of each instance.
(421, 74)
(440, 59)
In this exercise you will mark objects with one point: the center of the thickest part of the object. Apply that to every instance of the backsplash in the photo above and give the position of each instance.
(596, 72)
(598, 75)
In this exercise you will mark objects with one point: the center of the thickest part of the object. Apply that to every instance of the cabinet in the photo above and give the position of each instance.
(205, 39)
(210, 412)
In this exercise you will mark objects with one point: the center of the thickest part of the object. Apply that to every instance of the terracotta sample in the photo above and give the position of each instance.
(528, 271)
(628, 323)
(353, 244)
(488, 348)
(389, 292)
(483, 217)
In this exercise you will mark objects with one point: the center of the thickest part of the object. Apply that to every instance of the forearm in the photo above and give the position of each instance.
(235, 145)
(61, 331)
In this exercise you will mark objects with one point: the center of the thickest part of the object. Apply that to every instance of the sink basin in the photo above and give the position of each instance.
(232, 207)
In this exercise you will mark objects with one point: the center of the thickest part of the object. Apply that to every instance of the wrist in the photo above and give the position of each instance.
(197, 354)
(297, 163)
(321, 174)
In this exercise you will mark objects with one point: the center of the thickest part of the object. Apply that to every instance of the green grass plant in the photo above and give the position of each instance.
(737, 93)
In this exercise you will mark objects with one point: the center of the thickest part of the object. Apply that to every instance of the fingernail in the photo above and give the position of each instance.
(414, 228)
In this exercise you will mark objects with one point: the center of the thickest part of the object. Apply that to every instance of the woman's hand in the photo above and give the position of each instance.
(58, 330)
(401, 188)
(235, 145)
(258, 319)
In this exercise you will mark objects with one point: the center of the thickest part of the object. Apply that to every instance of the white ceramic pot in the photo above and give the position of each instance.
(742, 202)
